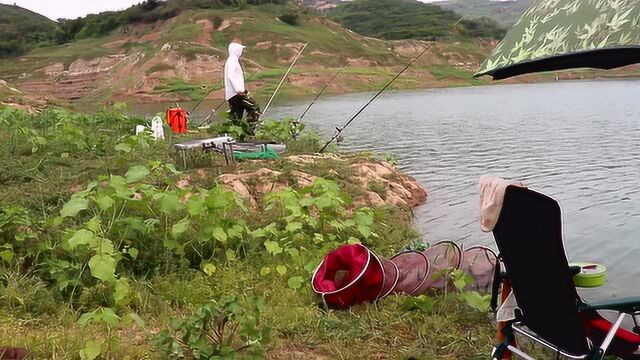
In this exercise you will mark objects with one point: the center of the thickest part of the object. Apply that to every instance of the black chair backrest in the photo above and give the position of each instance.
(529, 236)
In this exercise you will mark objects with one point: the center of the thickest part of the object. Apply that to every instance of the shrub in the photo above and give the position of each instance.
(222, 329)
(291, 17)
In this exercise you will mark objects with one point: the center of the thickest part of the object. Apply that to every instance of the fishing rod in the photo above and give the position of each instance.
(201, 100)
(339, 130)
(304, 113)
(283, 79)
(220, 104)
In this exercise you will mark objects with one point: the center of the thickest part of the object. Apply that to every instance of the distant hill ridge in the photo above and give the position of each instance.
(410, 19)
(164, 58)
(505, 12)
(21, 30)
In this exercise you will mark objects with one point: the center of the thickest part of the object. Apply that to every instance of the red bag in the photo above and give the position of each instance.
(177, 119)
(349, 275)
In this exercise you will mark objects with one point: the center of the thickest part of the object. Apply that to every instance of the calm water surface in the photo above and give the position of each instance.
(578, 142)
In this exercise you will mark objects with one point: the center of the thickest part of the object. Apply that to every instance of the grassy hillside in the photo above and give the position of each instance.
(21, 30)
(181, 57)
(506, 13)
(410, 19)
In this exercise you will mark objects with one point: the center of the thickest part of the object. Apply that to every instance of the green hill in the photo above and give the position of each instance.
(21, 30)
(179, 58)
(410, 19)
(506, 13)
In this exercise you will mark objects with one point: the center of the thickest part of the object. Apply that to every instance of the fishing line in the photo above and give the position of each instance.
(341, 129)
(304, 113)
(283, 79)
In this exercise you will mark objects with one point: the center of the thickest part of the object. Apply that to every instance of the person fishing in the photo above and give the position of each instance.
(236, 93)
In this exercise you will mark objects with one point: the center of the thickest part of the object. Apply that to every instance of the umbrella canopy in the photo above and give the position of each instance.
(564, 34)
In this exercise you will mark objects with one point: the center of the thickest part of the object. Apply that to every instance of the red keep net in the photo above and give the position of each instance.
(391, 277)
(414, 271)
(349, 275)
(445, 257)
(479, 262)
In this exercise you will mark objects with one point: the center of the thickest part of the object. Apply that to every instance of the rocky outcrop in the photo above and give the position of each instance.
(81, 78)
(387, 185)
(381, 183)
(14, 98)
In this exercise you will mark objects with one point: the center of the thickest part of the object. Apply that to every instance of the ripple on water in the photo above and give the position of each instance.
(576, 141)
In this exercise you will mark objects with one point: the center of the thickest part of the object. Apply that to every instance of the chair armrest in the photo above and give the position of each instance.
(627, 305)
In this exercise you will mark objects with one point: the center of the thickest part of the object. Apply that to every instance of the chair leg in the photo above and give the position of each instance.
(599, 353)
(505, 341)
(505, 333)
(520, 353)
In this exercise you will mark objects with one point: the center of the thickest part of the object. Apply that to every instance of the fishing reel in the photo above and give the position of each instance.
(338, 134)
(294, 129)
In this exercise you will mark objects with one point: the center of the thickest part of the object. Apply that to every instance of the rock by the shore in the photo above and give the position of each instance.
(380, 182)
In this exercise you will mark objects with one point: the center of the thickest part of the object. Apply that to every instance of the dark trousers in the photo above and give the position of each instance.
(237, 107)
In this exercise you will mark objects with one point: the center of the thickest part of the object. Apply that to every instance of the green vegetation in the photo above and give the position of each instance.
(181, 87)
(291, 17)
(108, 250)
(410, 19)
(506, 13)
(22, 30)
(135, 51)
(442, 72)
(146, 12)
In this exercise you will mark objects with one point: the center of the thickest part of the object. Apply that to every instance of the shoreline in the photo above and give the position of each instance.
(545, 78)
(177, 243)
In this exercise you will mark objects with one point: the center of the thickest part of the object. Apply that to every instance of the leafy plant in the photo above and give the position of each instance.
(218, 330)
(474, 299)
(280, 131)
(313, 217)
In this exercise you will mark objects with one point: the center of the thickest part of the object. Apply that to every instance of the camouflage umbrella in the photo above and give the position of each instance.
(563, 34)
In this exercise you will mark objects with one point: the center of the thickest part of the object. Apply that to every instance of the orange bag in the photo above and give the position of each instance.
(177, 119)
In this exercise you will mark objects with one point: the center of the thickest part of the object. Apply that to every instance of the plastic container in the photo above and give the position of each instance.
(591, 275)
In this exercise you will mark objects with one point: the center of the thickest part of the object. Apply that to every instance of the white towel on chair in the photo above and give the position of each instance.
(507, 310)
(491, 197)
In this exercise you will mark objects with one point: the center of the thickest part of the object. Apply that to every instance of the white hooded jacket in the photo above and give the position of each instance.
(233, 75)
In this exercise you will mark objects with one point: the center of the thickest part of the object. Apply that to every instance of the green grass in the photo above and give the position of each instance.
(183, 32)
(181, 87)
(444, 72)
(191, 51)
(85, 49)
(39, 172)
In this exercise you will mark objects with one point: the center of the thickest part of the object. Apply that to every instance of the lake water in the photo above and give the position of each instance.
(578, 142)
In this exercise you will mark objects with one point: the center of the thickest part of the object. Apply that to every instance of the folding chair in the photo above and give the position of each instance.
(550, 311)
